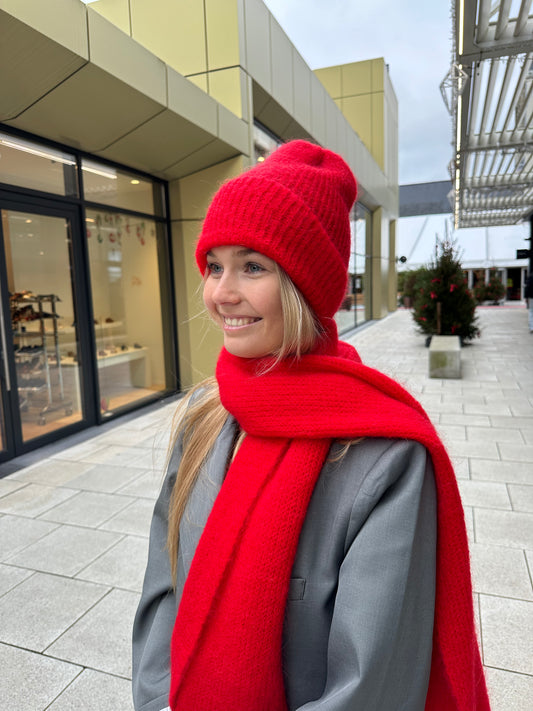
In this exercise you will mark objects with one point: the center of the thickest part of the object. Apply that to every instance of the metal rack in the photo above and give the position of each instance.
(33, 354)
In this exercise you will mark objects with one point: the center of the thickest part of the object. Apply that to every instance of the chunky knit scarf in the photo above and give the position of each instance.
(227, 639)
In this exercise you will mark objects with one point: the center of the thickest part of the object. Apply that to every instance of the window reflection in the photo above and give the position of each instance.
(354, 309)
(118, 188)
(123, 252)
(43, 319)
(31, 165)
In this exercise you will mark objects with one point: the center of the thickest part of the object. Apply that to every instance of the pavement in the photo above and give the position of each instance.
(74, 521)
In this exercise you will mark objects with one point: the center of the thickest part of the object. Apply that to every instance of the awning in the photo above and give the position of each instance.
(489, 93)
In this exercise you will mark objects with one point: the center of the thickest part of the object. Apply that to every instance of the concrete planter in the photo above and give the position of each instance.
(445, 357)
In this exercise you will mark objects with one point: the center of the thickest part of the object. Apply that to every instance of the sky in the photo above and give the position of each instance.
(414, 37)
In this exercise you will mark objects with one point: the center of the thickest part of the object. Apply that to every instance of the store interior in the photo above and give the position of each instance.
(124, 273)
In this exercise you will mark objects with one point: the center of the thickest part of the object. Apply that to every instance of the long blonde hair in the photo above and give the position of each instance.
(200, 416)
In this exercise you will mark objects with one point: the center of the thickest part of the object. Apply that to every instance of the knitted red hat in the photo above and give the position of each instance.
(294, 208)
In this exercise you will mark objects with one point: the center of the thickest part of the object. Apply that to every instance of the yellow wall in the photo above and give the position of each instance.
(359, 89)
(381, 274)
(393, 274)
(200, 40)
(199, 340)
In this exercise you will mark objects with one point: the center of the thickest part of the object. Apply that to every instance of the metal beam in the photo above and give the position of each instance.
(492, 166)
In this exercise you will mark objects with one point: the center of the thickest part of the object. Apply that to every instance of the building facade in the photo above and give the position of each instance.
(118, 121)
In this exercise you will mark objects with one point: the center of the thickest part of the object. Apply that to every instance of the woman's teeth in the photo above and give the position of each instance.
(239, 321)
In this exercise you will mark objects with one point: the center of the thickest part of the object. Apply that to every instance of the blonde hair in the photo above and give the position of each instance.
(200, 416)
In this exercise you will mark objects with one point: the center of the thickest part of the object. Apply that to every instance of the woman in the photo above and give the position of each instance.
(317, 554)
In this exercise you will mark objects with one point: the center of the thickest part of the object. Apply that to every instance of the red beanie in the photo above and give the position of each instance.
(294, 208)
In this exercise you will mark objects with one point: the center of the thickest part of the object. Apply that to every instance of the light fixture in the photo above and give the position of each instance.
(98, 169)
(461, 25)
(135, 182)
(458, 134)
(28, 221)
(31, 148)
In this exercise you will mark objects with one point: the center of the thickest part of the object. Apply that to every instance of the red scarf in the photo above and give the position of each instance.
(226, 643)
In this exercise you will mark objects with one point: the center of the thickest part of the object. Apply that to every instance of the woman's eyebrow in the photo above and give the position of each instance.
(244, 252)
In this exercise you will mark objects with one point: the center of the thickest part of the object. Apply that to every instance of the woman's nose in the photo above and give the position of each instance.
(226, 290)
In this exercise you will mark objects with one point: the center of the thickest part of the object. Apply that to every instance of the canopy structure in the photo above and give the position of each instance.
(489, 93)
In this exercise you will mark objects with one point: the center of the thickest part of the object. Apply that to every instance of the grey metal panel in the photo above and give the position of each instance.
(425, 198)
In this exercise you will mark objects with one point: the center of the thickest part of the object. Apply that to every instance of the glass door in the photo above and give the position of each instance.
(42, 379)
(6, 440)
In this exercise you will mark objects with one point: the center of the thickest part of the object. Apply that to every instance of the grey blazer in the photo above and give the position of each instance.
(359, 618)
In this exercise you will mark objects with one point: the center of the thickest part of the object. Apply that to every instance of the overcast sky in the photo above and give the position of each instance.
(413, 36)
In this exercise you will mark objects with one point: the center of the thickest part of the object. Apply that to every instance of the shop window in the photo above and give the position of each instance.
(265, 143)
(37, 167)
(117, 188)
(354, 309)
(43, 319)
(125, 253)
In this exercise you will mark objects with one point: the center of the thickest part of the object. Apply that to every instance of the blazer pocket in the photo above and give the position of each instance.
(296, 589)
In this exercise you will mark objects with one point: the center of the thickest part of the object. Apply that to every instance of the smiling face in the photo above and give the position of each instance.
(242, 294)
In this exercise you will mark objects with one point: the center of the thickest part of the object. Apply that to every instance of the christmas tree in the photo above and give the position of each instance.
(443, 303)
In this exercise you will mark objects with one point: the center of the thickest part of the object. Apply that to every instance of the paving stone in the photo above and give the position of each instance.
(37, 611)
(476, 450)
(493, 434)
(521, 409)
(88, 508)
(499, 570)
(17, 532)
(54, 472)
(114, 455)
(504, 528)
(451, 433)
(122, 566)
(511, 422)
(29, 681)
(527, 434)
(461, 467)
(102, 638)
(490, 470)
(465, 420)
(509, 691)
(66, 550)
(11, 577)
(77, 452)
(94, 691)
(147, 485)
(33, 500)
(488, 409)
(106, 478)
(507, 633)
(515, 452)
(484, 494)
(7, 486)
(135, 519)
(521, 497)
(151, 459)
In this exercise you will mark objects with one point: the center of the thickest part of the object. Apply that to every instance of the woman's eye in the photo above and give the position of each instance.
(214, 268)
(254, 268)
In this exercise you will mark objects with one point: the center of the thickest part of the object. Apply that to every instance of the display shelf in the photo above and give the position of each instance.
(45, 345)
(136, 358)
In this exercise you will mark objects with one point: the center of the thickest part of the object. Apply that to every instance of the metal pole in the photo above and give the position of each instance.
(530, 270)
